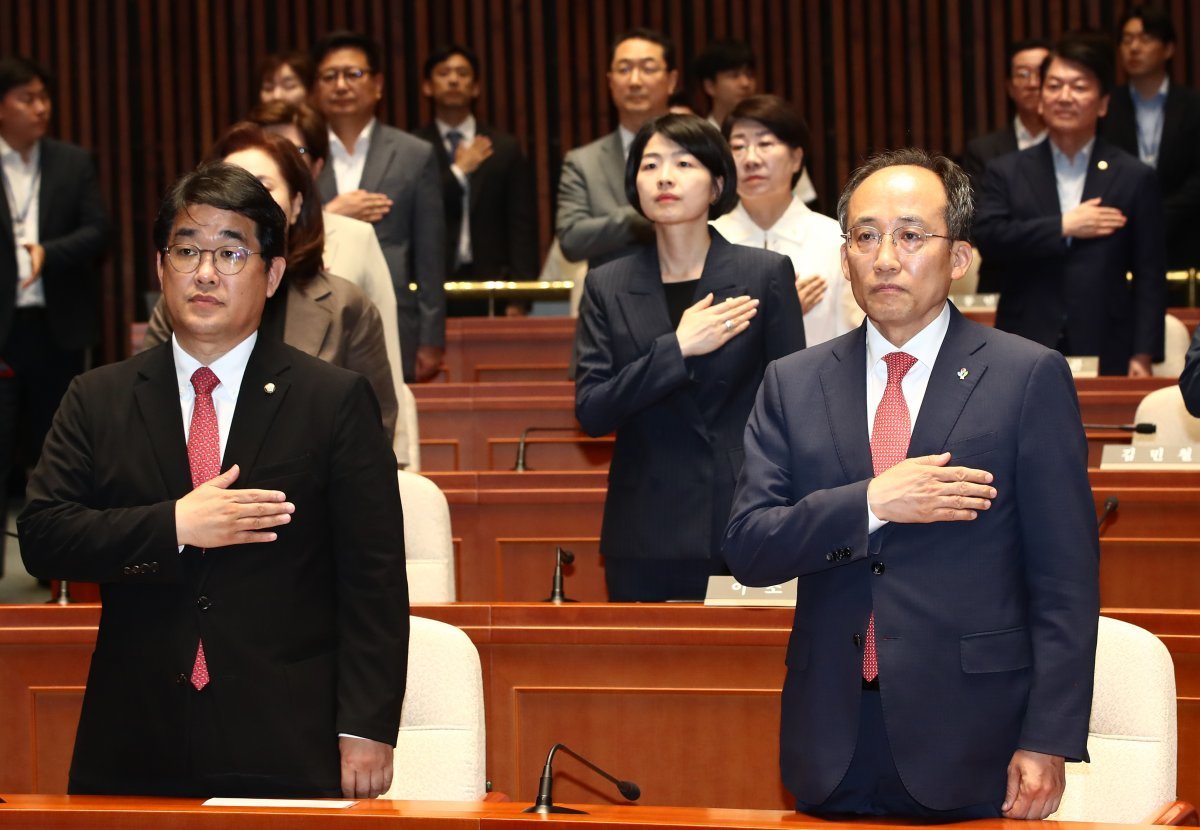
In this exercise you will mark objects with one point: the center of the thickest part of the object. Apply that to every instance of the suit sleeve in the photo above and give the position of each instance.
(429, 251)
(582, 234)
(1061, 556)
(1005, 237)
(521, 207)
(88, 240)
(366, 354)
(606, 396)
(1189, 378)
(372, 586)
(772, 537)
(66, 531)
(1148, 265)
(782, 315)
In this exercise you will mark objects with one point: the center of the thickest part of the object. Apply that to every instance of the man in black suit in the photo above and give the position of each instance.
(1189, 378)
(52, 233)
(487, 186)
(254, 640)
(1159, 122)
(1065, 221)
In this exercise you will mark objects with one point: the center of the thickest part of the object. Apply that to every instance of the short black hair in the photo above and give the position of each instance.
(1155, 22)
(722, 56)
(1090, 49)
(225, 187)
(696, 136)
(349, 40)
(651, 35)
(778, 116)
(16, 71)
(447, 51)
(1022, 45)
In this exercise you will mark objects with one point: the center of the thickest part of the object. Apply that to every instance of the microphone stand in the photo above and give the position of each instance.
(1110, 506)
(545, 797)
(561, 557)
(520, 466)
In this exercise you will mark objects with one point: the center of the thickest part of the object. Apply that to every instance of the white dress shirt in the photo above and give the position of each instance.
(814, 244)
(22, 186)
(348, 166)
(466, 130)
(1071, 174)
(924, 346)
(229, 369)
(1026, 139)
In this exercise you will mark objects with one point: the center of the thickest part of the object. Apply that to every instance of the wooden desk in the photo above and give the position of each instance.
(119, 813)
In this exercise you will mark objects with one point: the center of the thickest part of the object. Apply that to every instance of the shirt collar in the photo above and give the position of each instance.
(466, 128)
(361, 144)
(229, 367)
(924, 346)
(7, 152)
(1081, 159)
(1157, 99)
(626, 139)
(790, 227)
(1025, 138)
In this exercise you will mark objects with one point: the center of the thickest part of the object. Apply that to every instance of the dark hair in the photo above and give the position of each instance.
(16, 71)
(1090, 49)
(778, 116)
(696, 136)
(960, 204)
(1023, 45)
(1155, 22)
(306, 236)
(225, 187)
(723, 56)
(444, 53)
(349, 40)
(298, 62)
(646, 34)
(304, 118)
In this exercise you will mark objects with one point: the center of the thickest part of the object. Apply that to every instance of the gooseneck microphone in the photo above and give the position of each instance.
(1110, 506)
(520, 466)
(1138, 429)
(561, 557)
(545, 797)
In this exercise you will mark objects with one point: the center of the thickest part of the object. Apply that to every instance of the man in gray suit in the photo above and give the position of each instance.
(595, 221)
(385, 176)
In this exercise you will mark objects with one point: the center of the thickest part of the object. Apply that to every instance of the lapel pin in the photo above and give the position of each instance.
(962, 373)
(1102, 164)
(269, 389)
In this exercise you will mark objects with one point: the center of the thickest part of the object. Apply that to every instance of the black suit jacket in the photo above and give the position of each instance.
(984, 148)
(678, 421)
(1178, 165)
(305, 637)
(985, 630)
(1048, 287)
(502, 208)
(73, 229)
(1189, 378)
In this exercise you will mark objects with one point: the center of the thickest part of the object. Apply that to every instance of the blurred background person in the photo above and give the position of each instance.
(767, 138)
(285, 76)
(672, 343)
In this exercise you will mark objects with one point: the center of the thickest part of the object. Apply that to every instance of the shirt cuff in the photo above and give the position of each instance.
(873, 521)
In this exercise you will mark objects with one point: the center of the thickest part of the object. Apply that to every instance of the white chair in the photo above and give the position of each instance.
(1131, 734)
(428, 545)
(1165, 409)
(441, 747)
(1175, 345)
(408, 411)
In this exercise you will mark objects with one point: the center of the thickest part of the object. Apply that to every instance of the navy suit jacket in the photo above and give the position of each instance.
(1048, 287)
(678, 421)
(982, 149)
(1189, 378)
(305, 637)
(986, 629)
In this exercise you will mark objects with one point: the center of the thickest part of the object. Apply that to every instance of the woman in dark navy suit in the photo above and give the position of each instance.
(672, 343)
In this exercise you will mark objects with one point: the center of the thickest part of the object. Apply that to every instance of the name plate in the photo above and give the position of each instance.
(728, 592)
(977, 301)
(1084, 366)
(1142, 457)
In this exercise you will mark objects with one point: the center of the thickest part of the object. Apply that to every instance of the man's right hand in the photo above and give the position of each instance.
(1089, 220)
(360, 204)
(213, 516)
(924, 489)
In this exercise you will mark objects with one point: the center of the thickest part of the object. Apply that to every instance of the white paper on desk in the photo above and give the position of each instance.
(306, 803)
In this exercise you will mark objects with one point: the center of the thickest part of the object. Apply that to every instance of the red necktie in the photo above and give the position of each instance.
(890, 435)
(204, 459)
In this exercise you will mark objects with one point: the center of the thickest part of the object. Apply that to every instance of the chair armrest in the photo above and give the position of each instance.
(1177, 813)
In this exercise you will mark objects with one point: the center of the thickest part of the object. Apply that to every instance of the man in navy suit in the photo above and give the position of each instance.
(1065, 221)
(925, 479)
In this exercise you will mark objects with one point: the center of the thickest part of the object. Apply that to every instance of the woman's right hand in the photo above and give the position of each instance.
(703, 327)
(810, 291)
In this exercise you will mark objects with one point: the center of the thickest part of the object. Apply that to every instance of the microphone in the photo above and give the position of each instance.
(1110, 506)
(545, 798)
(520, 466)
(561, 557)
(1139, 429)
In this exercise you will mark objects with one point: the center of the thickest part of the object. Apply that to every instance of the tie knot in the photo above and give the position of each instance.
(454, 136)
(204, 380)
(898, 364)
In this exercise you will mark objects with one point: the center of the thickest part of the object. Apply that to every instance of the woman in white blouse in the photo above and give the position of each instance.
(767, 137)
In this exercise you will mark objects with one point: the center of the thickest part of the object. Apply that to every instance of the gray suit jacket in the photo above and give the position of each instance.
(412, 234)
(595, 221)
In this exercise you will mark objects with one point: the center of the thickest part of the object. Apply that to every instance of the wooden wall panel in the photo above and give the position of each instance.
(147, 84)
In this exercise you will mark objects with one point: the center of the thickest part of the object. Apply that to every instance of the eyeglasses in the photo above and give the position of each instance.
(1025, 74)
(648, 68)
(863, 239)
(350, 73)
(228, 260)
(762, 147)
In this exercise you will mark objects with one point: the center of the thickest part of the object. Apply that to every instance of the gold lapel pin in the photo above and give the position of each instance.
(962, 373)
(269, 389)
(1102, 164)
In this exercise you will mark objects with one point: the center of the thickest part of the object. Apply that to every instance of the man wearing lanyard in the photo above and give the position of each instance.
(52, 233)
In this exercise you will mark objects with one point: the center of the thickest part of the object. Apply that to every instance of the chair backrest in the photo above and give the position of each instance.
(408, 411)
(428, 546)
(1165, 409)
(1175, 345)
(1131, 733)
(441, 746)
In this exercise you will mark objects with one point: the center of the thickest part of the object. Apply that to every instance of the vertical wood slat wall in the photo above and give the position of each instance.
(147, 84)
